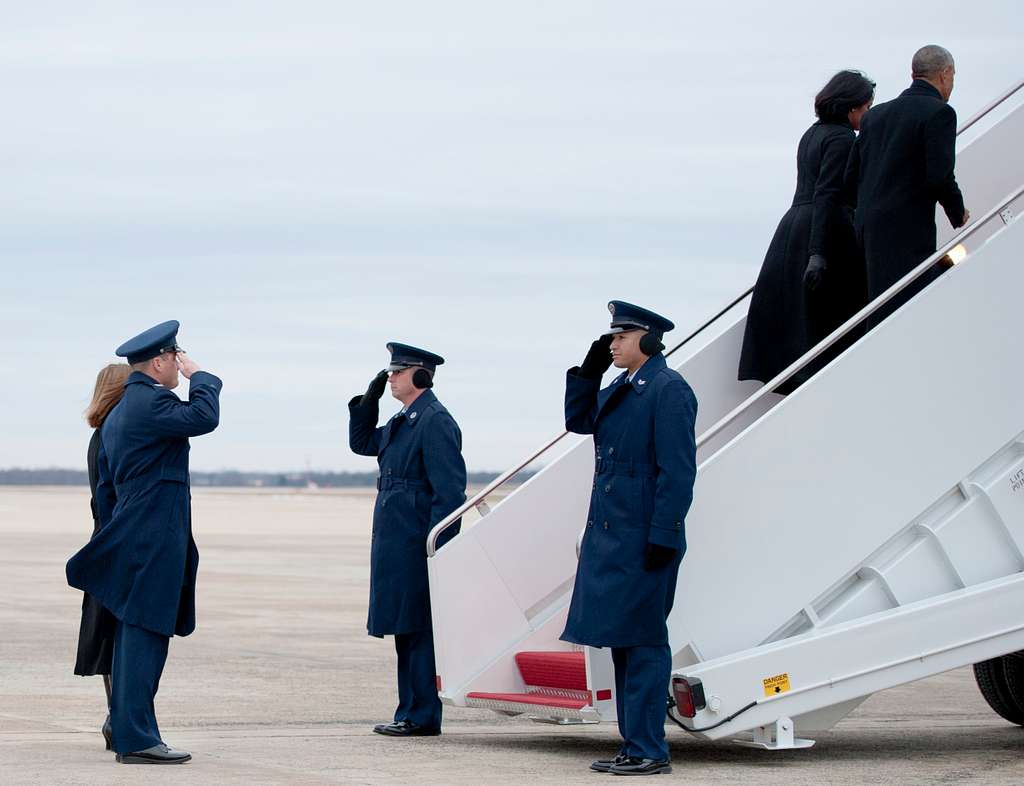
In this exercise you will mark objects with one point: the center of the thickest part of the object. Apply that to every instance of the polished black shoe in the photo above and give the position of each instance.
(107, 732)
(635, 766)
(158, 754)
(604, 765)
(405, 728)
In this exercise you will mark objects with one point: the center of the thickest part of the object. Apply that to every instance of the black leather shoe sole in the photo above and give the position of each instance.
(655, 768)
(392, 731)
(135, 758)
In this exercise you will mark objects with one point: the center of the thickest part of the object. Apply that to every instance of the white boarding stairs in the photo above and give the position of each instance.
(863, 532)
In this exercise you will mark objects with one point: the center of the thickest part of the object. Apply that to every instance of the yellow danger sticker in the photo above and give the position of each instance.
(775, 685)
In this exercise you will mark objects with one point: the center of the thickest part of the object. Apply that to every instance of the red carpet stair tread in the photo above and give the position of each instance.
(553, 679)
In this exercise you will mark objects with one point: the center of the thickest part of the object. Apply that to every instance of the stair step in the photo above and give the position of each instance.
(535, 699)
(565, 670)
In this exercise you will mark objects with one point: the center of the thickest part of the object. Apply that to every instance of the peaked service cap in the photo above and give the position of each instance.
(406, 356)
(151, 343)
(626, 316)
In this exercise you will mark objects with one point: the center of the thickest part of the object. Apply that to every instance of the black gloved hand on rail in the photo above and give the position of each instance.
(814, 274)
(375, 389)
(657, 556)
(598, 359)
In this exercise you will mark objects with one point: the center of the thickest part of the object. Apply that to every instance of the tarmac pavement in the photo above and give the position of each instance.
(281, 684)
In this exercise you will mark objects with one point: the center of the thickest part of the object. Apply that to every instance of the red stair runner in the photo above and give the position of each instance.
(565, 671)
(553, 669)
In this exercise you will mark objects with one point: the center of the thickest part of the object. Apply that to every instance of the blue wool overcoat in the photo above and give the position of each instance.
(422, 479)
(645, 466)
(141, 564)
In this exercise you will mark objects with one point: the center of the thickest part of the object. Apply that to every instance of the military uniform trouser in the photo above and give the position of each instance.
(641, 683)
(417, 684)
(139, 657)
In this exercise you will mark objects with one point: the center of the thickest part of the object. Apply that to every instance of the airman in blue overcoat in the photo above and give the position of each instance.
(635, 537)
(141, 564)
(422, 479)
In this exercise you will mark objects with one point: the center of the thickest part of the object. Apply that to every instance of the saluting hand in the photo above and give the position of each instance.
(598, 359)
(376, 388)
(186, 365)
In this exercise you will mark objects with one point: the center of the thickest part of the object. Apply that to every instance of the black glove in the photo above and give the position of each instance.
(815, 272)
(598, 359)
(657, 557)
(375, 389)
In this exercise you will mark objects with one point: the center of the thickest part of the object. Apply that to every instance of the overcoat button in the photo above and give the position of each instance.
(608, 487)
(606, 525)
(590, 523)
(610, 451)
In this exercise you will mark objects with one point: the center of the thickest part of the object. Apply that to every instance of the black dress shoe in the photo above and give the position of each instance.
(404, 728)
(635, 766)
(604, 765)
(107, 732)
(158, 754)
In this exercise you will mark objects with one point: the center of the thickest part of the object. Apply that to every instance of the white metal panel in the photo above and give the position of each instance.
(847, 460)
(852, 660)
(988, 166)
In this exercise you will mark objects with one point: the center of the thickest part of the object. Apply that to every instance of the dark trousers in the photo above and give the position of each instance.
(417, 682)
(139, 657)
(641, 685)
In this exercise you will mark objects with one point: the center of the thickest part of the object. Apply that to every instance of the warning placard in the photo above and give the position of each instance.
(775, 685)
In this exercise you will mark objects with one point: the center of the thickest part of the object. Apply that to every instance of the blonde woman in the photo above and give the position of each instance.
(96, 633)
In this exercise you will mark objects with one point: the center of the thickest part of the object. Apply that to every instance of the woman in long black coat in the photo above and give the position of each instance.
(812, 279)
(96, 632)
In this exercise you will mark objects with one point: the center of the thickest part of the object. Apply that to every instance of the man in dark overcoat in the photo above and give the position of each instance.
(422, 479)
(141, 564)
(645, 465)
(899, 168)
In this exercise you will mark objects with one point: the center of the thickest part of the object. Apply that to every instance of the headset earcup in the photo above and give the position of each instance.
(422, 379)
(650, 344)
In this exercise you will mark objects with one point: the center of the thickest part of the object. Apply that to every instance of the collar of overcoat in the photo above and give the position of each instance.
(412, 416)
(640, 380)
(138, 376)
(920, 87)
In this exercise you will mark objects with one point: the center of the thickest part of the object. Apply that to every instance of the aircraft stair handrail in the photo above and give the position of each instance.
(479, 500)
(990, 106)
(956, 242)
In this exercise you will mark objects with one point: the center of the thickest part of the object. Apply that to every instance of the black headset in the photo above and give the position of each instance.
(650, 344)
(422, 379)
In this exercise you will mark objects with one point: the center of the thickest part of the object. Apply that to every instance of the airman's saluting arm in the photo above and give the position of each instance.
(364, 410)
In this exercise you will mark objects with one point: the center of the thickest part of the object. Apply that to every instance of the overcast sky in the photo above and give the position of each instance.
(301, 182)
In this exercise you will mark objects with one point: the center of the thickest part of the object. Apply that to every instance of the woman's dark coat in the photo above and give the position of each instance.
(422, 480)
(96, 632)
(645, 466)
(142, 563)
(785, 320)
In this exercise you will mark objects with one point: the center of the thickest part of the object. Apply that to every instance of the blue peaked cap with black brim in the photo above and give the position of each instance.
(151, 343)
(626, 316)
(406, 356)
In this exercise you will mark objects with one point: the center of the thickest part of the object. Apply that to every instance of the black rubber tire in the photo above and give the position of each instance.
(1013, 669)
(991, 676)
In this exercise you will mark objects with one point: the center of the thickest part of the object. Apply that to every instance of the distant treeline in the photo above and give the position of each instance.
(75, 477)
